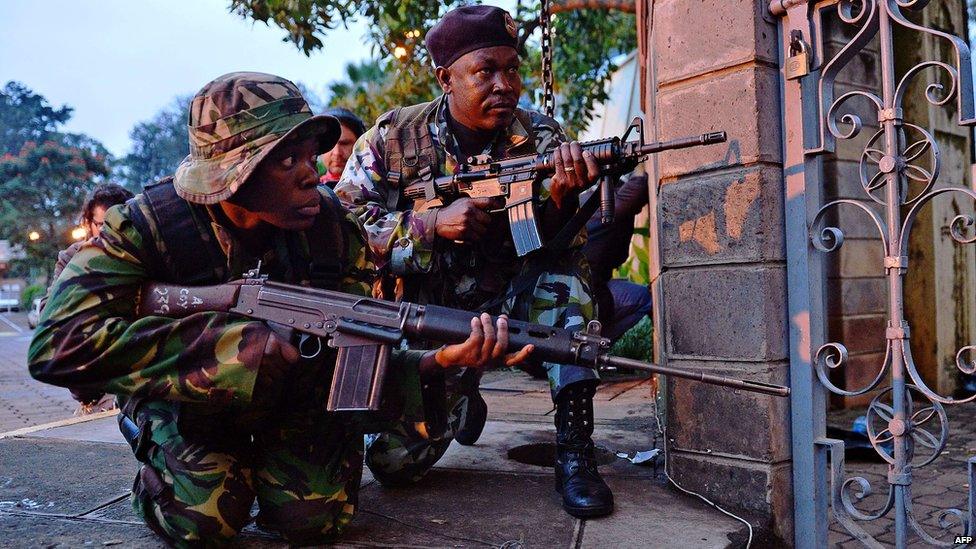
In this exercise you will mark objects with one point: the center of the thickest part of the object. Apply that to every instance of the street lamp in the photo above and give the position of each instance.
(33, 236)
(78, 233)
(399, 52)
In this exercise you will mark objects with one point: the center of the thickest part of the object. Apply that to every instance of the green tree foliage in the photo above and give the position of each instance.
(43, 182)
(44, 188)
(158, 146)
(26, 116)
(585, 43)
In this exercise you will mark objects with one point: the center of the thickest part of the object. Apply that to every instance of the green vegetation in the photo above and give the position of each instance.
(28, 295)
(585, 42)
(637, 342)
(44, 177)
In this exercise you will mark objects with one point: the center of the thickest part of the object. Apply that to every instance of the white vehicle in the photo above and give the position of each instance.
(35, 313)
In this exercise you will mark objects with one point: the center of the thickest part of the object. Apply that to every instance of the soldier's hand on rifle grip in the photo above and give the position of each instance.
(575, 170)
(279, 354)
(486, 347)
(465, 219)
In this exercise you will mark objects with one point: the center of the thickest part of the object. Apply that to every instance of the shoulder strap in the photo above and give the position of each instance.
(184, 246)
(542, 258)
(409, 152)
(328, 243)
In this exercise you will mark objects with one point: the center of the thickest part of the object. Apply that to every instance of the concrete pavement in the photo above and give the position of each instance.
(23, 401)
(68, 486)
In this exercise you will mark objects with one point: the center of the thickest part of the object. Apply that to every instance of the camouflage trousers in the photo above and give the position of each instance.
(403, 455)
(200, 476)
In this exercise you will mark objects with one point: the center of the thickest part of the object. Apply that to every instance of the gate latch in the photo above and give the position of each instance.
(798, 63)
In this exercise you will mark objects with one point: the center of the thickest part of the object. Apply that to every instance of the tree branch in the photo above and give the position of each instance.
(629, 6)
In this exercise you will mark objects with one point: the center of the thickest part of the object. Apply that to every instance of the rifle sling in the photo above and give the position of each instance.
(542, 259)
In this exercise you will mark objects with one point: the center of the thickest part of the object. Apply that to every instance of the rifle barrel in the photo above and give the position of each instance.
(683, 143)
(753, 386)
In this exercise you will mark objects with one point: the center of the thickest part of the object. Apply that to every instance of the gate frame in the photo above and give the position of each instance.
(810, 114)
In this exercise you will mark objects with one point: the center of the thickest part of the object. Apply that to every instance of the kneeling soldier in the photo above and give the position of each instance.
(227, 410)
(461, 255)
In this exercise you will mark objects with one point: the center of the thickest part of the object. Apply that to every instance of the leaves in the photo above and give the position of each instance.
(585, 42)
(26, 116)
(44, 181)
(158, 146)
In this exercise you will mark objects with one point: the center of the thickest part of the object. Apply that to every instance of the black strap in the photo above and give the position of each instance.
(328, 244)
(542, 259)
(189, 254)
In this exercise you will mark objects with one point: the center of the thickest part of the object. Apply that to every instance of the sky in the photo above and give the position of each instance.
(118, 62)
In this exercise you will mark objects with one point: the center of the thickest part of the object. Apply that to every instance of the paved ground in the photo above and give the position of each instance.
(68, 486)
(23, 401)
(941, 485)
(45, 510)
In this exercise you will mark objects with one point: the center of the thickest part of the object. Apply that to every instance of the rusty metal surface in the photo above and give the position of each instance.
(907, 421)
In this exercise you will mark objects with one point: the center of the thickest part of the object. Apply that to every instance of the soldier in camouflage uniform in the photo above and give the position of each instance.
(462, 255)
(226, 409)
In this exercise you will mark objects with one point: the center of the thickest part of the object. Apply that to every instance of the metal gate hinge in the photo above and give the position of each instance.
(895, 262)
(898, 332)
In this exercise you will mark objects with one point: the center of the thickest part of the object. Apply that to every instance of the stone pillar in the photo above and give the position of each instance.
(718, 272)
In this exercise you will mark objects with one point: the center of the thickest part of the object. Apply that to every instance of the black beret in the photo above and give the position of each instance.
(469, 28)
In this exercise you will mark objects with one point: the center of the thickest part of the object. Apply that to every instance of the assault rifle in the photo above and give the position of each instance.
(513, 178)
(364, 330)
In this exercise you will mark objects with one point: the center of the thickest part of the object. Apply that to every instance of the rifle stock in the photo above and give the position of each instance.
(364, 329)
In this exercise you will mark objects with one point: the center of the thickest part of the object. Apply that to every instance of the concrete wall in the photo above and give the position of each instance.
(719, 274)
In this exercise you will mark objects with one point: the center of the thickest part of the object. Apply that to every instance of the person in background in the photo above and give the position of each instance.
(102, 198)
(331, 163)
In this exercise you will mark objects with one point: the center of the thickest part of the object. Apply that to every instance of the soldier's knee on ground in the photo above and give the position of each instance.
(316, 521)
(189, 526)
(400, 459)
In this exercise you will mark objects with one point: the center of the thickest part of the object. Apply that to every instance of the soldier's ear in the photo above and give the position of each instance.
(443, 78)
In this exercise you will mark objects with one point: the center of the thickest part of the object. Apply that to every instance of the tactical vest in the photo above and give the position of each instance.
(181, 247)
(409, 151)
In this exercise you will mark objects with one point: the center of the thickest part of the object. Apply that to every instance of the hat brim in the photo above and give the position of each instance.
(210, 180)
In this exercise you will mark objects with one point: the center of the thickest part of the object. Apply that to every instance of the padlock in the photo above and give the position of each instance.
(798, 63)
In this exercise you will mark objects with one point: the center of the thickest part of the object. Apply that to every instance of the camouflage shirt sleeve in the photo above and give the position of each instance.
(89, 338)
(401, 241)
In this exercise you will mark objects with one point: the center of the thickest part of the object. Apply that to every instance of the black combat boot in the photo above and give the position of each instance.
(577, 479)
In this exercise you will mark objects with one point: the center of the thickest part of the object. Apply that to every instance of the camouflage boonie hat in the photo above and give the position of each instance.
(235, 121)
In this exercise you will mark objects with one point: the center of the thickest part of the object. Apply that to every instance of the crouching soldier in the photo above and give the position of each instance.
(227, 410)
(463, 255)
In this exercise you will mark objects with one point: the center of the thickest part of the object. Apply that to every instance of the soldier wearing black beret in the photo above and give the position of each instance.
(461, 255)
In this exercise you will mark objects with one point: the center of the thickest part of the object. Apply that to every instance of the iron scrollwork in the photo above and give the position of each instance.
(898, 170)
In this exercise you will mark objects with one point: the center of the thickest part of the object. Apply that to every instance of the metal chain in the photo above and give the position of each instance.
(548, 99)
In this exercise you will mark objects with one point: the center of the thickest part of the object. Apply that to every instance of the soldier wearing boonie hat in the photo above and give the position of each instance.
(461, 255)
(225, 410)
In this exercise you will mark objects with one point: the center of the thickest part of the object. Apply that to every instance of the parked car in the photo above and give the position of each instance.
(35, 313)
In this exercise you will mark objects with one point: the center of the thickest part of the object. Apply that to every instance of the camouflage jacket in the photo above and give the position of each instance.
(404, 241)
(89, 337)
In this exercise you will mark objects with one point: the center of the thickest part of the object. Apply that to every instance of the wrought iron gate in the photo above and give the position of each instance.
(907, 421)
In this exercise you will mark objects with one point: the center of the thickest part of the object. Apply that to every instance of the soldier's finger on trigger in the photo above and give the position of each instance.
(483, 203)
